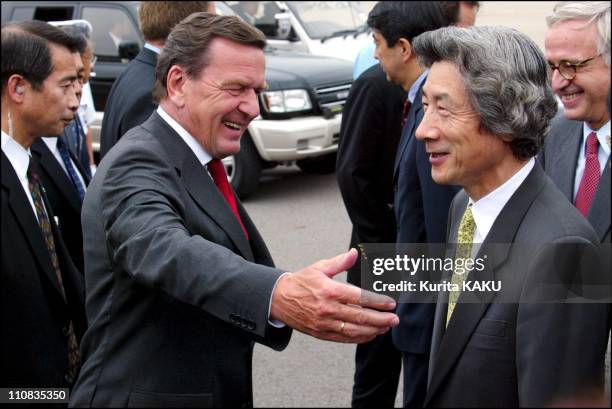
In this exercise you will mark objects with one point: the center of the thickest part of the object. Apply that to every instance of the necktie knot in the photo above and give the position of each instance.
(592, 144)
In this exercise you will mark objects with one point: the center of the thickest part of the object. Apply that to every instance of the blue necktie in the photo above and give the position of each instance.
(63, 150)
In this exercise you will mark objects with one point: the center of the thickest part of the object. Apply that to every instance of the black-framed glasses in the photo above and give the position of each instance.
(568, 69)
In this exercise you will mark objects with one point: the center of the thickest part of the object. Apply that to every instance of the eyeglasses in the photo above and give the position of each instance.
(94, 59)
(568, 69)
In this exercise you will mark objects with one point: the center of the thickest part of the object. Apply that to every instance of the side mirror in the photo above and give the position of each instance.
(128, 50)
(283, 25)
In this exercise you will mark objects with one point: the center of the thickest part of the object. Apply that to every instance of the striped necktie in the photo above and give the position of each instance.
(72, 172)
(465, 238)
(45, 227)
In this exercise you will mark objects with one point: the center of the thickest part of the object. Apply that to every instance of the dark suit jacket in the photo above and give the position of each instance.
(176, 294)
(421, 210)
(509, 349)
(64, 198)
(130, 101)
(370, 131)
(34, 317)
(560, 158)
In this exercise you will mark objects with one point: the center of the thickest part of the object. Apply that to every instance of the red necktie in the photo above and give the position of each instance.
(217, 171)
(405, 111)
(590, 178)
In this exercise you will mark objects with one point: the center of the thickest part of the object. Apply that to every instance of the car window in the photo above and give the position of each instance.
(110, 28)
(22, 13)
(260, 14)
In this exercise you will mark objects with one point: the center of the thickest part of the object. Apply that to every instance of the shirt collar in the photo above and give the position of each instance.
(414, 89)
(17, 154)
(151, 47)
(603, 136)
(203, 156)
(487, 209)
(51, 142)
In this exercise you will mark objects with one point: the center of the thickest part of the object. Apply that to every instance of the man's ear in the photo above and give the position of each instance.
(16, 87)
(175, 85)
(405, 48)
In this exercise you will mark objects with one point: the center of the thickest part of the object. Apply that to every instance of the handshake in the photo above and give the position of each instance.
(311, 302)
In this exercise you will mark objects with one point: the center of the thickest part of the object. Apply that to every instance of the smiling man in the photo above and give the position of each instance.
(488, 107)
(179, 282)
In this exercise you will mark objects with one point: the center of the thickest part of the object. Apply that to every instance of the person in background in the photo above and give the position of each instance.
(420, 205)
(63, 176)
(576, 155)
(130, 101)
(42, 317)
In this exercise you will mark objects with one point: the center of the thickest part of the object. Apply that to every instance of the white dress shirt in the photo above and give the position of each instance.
(20, 160)
(603, 153)
(487, 209)
(51, 143)
(205, 157)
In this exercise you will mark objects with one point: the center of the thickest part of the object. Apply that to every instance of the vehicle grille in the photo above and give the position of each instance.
(331, 98)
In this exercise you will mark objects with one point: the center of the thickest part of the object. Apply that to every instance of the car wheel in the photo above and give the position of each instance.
(244, 168)
(319, 164)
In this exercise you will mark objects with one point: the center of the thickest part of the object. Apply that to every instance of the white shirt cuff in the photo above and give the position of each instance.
(275, 323)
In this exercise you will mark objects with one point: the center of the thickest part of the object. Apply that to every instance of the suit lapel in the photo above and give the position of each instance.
(61, 180)
(565, 158)
(200, 185)
(599, 214)
(467, 316)
(21, 208)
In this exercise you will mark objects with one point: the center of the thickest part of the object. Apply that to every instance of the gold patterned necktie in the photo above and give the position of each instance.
(465, 238)
(74, 358)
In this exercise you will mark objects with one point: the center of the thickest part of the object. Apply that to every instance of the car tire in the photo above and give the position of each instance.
(319, 164)
(244, 168)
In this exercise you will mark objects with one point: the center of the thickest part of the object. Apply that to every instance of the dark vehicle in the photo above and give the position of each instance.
(300, 112)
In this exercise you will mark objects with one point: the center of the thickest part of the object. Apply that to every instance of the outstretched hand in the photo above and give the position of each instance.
(310, 301)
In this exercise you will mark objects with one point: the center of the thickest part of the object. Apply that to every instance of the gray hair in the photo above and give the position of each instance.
(506, 79)
(592, 11)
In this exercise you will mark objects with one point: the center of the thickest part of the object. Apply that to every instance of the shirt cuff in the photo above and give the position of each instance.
(275, 323)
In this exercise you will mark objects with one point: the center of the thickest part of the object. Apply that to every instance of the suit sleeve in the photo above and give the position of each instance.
(147, 238)
(560, 346)
(358, 163)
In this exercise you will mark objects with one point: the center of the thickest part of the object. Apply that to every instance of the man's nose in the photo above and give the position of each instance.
(250, 105)
(558, 82)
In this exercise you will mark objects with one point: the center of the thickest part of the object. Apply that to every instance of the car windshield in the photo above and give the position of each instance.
(323, 19)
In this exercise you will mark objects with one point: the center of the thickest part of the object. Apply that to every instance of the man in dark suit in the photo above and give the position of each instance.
(581, 79)
(507, 347)
(130, 101)
(370, 130)
(179, 282)
(64, 178)
(420, 205)
(42, 315)
(576, 155)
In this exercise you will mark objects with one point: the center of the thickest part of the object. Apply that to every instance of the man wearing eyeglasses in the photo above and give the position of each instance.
(577, 152)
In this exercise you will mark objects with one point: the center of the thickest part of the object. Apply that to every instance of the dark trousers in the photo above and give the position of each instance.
(415, 379)
(377, 369)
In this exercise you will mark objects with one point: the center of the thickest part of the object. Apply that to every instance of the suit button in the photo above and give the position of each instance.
(65, 331)
(251, 326)
(247, 404)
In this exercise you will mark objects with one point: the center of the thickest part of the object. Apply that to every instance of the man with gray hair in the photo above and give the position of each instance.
(576, 155)
(488, 106)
